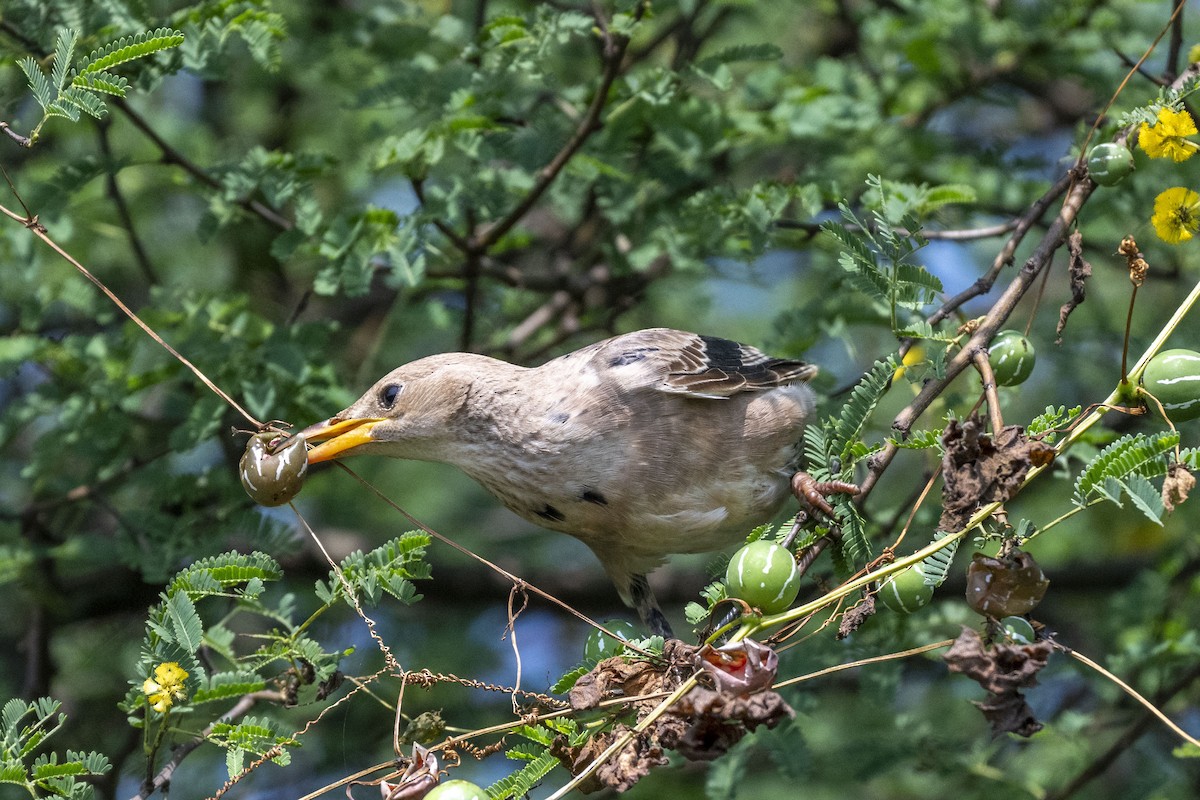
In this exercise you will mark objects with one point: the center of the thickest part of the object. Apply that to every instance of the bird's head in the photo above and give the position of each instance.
(405, 414)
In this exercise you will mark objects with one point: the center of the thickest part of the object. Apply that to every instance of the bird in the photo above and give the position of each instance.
(641, 446)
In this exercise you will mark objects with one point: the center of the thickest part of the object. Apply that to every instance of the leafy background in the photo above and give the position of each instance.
(299, 197)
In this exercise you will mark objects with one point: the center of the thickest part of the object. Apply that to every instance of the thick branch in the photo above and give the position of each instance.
(1055, 237)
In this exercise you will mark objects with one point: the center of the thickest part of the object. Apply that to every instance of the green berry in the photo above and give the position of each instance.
(764, 574)
(1018, 630)
(600, 645)
(1012, 358)
(456, 790)
(273, 467)
(1108, 163)
(906, 591)
(1173, 377)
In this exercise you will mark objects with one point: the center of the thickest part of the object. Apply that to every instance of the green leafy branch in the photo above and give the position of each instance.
(835, 446)
(68, 89)
(539, 761)
(1124, 469)
(24, 727)
(876, 257)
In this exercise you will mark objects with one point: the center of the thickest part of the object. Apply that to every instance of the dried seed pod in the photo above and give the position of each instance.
(1005, 587)
(273, 467)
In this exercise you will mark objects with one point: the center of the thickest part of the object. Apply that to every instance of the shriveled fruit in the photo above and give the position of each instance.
(1005, 587)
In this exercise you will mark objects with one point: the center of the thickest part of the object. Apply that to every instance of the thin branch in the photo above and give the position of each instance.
(1021, 227)
(614, 52)
(118, 198)
(169, 155)
(1175, 43)
(39, 230)
(1040, 259)
(980, 359)
(952, 235)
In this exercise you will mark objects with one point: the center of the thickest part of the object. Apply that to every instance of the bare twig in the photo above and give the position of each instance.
(39, 230)
(169, 155)
(1021, 227)
(980, 358)
(118, 198)
(614, 52)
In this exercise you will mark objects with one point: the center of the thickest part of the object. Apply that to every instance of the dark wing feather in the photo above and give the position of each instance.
(702, 366)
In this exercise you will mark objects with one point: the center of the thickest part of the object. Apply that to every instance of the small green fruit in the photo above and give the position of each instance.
(273, 467)
(764, 574)
(1173, 376)
(1012, 358)
(456, 790)
(906, 591)
(1018, 630)
(600, 645)
(1108, 163)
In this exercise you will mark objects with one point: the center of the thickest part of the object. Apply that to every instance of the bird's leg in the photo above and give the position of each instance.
(647, 607)
(812, 493)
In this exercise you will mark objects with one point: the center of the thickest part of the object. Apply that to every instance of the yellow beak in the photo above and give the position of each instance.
(340, 436)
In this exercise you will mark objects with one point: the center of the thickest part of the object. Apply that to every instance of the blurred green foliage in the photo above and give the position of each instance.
(300, 196)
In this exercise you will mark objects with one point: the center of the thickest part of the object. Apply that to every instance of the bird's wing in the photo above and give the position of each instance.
(700, 366)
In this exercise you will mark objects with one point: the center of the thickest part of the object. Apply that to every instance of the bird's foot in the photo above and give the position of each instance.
(812, 493)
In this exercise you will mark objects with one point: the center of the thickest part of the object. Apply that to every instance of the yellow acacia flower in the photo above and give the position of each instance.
(915, 355)
(1176, 214)
(166, 686)
(1165, 139)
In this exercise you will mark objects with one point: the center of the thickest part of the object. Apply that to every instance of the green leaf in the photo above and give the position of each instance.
(43, 92)
(523, 781)
(1145, 497)
(569, 679)
(228, 685)
(129, 48)
(185, 623)
(1142, 454)
(64, 54)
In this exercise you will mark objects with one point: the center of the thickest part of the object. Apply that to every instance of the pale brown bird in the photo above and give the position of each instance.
(643, 445)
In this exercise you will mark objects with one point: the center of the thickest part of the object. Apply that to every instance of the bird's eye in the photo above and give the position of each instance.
(389, 393)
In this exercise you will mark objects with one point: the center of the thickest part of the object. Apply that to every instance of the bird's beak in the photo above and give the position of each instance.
(339, 436)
